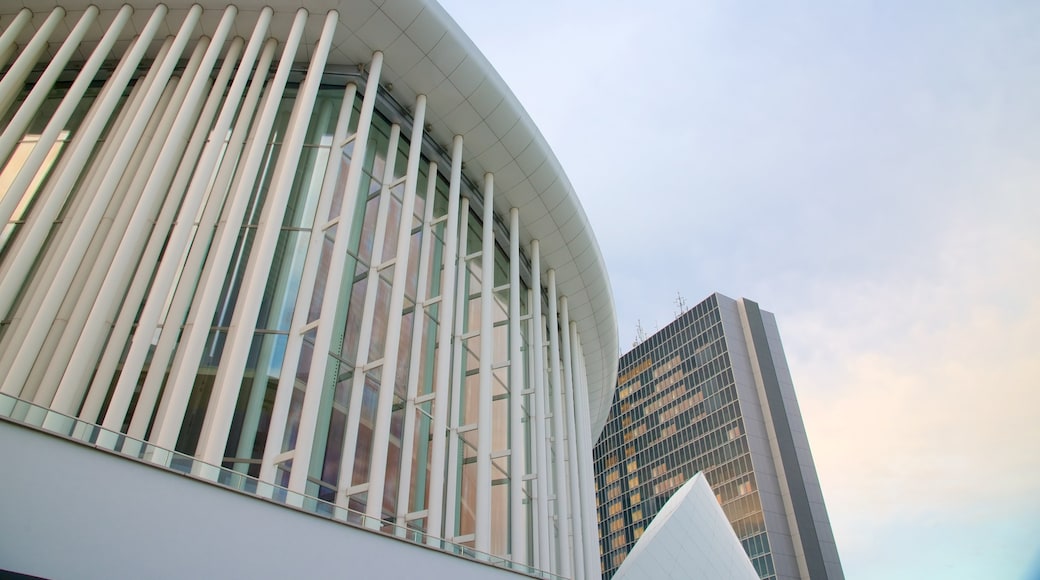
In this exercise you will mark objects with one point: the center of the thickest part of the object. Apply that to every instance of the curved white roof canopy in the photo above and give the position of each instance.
(425, 52)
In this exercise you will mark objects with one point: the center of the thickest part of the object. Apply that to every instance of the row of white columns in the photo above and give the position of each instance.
(180, 221)
(26, 339)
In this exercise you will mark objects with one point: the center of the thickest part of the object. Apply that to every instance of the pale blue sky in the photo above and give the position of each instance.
(869, 172)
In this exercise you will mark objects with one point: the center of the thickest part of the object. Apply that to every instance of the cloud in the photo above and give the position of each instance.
(868, 172)
(922, 398)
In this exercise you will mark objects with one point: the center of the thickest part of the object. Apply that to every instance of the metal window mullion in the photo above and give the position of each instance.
(587, 481)
(11, 34)
(418, 328)
(14, 79)
(330, 301)
(361, 366)
(228, 382)
(577, 530)
(458, 376)
(92, 219)
(445, 330)
(517, 514)
(251, 419)
(384, 406)
(33, 238)
(186, 363)
(42, 86)
(563, 510)
(121, 282)
(482, 541)
(541, 446)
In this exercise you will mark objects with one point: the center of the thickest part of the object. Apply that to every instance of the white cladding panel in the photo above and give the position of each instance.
(69, 511)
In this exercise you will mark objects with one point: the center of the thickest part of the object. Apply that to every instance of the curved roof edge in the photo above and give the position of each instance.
(426, 52)
(550, 211)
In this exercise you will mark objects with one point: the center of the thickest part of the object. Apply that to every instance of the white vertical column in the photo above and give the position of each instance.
(541, 446)
(384, 406)
(362, 364)
(572, 449)
(86, 136)
(193, 342)
(228, 381)
(482, 541)
(52, 198)
(176, 145)
(227, 150)
(418, 328)
(11, 34)
(445, 330)
(587, 481)
(333, 291)
(92, 265)
(13, 81)
(305, 277)
(177, 243)
(101, 269)
(31, 240)
(559, 441)
(517, 513)
(56, 293)
(301, 323)
(458, 376)
(42, 87)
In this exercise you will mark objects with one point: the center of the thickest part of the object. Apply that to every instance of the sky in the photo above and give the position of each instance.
(869, 171)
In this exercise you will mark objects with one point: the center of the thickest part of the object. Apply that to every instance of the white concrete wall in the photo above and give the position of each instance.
(70, 511)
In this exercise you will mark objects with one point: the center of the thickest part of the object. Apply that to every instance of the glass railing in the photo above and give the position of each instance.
(26, 413)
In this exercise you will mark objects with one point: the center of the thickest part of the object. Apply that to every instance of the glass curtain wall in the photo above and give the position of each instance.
(340, 465)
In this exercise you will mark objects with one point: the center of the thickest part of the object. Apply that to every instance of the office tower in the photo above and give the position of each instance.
(271, 267)
(711, 393)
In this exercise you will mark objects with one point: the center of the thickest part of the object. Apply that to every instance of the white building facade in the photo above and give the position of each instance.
(316, 254)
